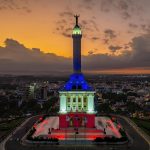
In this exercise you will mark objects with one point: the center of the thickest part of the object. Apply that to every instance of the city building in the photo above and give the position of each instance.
(32, 91)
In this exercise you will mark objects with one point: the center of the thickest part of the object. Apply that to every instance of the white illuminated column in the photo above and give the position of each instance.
(76, 103)
(82, 101)
(71, 103)
(62, 104)
(90, 104)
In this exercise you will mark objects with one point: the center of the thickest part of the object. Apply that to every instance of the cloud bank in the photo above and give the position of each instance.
(15, 5)
(18, 59)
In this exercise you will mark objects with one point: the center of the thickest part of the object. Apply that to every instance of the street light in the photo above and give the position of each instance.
(76, 132)
(49, 132)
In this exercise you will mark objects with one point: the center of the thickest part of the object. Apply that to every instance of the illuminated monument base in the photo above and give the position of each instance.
(77, 120)
(76, 103)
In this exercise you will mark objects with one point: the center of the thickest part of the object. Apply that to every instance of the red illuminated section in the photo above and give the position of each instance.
(113, 128)
(77, 120)
(72, 137)
(74, 125)
(70, 134)
(41, 128)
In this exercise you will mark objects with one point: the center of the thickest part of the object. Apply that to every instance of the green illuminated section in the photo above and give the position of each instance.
(77, 30)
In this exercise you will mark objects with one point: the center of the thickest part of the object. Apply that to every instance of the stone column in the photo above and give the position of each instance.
(63, 103)
(90, 103)
(76, 103)
(67, 103)
(82, 101)
(71, 103)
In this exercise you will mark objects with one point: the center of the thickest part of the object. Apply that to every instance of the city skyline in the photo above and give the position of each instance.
(36, 36)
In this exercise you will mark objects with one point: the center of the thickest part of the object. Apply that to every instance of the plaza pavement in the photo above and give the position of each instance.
(138, 142)
(51, 124)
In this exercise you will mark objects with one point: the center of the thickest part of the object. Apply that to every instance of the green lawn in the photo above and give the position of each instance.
(143, 124)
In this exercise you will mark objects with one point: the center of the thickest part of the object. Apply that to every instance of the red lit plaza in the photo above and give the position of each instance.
(104, 126)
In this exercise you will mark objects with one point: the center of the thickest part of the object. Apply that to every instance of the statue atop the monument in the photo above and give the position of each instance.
(76, 16)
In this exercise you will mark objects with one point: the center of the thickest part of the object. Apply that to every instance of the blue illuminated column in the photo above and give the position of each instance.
(77, 35)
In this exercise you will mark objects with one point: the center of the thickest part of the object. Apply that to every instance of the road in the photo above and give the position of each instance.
(14, 142)
(138, 142)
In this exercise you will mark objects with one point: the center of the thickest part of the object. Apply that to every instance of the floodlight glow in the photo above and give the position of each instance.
(77, 31)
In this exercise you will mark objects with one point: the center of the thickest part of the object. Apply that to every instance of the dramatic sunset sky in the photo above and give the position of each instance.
(35, 36)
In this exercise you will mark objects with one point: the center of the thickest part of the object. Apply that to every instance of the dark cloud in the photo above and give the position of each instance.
(14, 5)
(125, 8)
(145, 28)
(26, 9)
(109, 33)
(114, 48)
(87, 4)
(84, 22)
(95, 25)
(16, 58)
(132, 25)
(125, 15)
(66, 34)
(129, 32)
(141, 50)
(137, 58)
(91, 28)
(88, 1)
(91, 52)
(66, 14)
(127, 46)
(95, 38)
(105, 5)
(123, 5)
(63, 26)
(106, 41)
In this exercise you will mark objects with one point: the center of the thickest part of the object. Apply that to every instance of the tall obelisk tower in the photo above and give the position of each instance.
(76, 96)
(76, 35)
